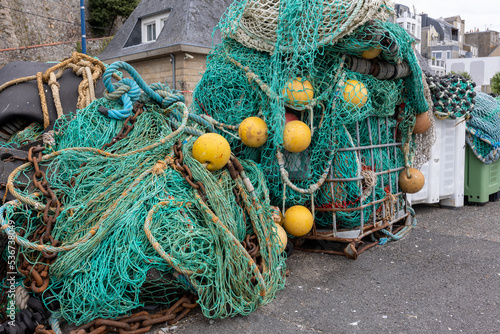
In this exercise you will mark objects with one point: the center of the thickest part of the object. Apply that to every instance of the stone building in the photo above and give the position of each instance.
(457, 22)
(43, 31)
(487, 42)
(168, 41)
(441, 37)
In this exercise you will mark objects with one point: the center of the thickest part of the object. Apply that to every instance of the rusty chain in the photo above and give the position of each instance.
(128, 125)
(251, 245)
(140, 322)
(40, 329)
(13, 158)
(182, 168)
(37, 276)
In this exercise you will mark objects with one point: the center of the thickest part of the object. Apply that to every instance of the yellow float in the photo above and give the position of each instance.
(298, 91)
(355, 93)
(372, 53)
(296, 136)
(212, 150)
(422, 123)
(283, 239)
(414, 183)
(253, 131)
(298, 220)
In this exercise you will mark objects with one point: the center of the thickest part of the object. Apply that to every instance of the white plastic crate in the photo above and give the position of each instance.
(444, 172)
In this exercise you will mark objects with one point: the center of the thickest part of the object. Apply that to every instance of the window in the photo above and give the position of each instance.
(448, 54)
(436, 55)
(151, 32)
(152, 26)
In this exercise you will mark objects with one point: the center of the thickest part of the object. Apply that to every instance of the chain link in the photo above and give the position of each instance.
(128, 125)
(13, 158)
(251, 245)
(182, 168)
(37, 276)
(141, 322)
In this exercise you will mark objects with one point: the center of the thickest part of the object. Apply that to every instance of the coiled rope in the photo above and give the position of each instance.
(128, 91)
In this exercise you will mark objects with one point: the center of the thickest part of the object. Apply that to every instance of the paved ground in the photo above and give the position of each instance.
(443, 277)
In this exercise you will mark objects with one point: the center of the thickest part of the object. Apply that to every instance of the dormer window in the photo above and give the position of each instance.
(150, 32)
(152, 26)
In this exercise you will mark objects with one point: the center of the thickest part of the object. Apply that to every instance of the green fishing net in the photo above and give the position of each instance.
(332, 65)
(142, 232)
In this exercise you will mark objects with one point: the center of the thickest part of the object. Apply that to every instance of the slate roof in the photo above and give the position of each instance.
(443, 28)
(190, 22)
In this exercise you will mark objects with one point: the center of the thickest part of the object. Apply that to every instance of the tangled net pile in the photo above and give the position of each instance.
(268, 43)
(131, 230)
(483, 129)
(453, 96)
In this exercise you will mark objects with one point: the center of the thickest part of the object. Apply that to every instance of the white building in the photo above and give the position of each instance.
(409, 20)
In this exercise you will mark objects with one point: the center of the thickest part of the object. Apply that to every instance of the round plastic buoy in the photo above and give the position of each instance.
(298, 91)
(298, 220)
(296, 137)
(422, 123)
(212, 149)
(413, 184)
(355, 93)
(372, 53)
(253, 131)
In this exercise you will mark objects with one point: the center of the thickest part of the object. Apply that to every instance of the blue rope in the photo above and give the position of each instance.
(127, 99)
(401, 233)
(136, 84)
(494, 153)
(54, 323)
(186, 283)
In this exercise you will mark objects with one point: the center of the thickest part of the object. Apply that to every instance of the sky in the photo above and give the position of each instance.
(480, 14)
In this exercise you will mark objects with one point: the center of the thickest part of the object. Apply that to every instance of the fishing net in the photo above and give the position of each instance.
(331, 65)
(256, 24)
(32, 132)
(483, 129)
(453, 96)
(425, 141)
(131, 229)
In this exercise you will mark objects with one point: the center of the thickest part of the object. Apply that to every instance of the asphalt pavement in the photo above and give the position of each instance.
(443, 277)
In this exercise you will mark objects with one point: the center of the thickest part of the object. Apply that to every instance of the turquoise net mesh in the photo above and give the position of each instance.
(483, 129)
(131, 212)
(331, 67)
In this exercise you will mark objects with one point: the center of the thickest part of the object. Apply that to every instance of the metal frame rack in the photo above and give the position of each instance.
(391, 216)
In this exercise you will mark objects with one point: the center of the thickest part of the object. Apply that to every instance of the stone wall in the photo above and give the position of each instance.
(51, 52)
(49, 30)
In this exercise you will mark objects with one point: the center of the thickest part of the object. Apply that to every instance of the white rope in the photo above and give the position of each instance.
(22, 297)
(369, 181)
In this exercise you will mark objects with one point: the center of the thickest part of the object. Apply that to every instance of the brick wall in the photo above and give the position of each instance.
(188, 71)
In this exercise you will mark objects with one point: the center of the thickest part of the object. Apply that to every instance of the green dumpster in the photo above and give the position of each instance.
(481, 180)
